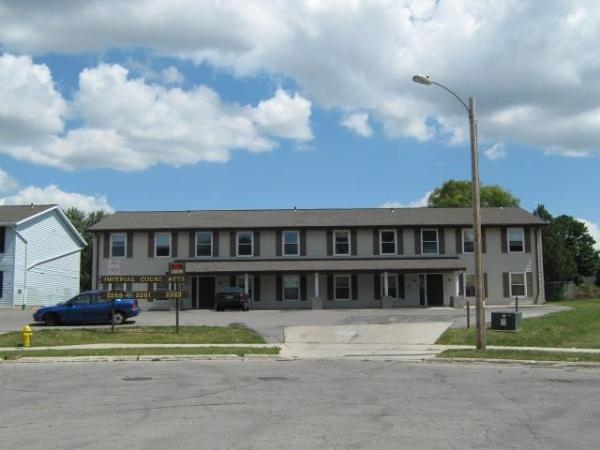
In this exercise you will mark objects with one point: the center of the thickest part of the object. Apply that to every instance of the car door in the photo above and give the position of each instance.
(99, 309)
(77, 309)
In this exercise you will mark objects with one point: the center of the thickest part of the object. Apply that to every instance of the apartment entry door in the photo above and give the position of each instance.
(431, 289)
(203, 292)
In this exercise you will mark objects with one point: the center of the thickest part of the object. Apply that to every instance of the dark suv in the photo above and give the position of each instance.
(232, 297)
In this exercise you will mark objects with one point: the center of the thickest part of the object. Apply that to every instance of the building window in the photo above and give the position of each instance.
(162, 244)
(1, 283)
(341, 287)
(118, 245)
(291, 287)
(470, 285)
(517, 285)
(290, 241)
(392, 285)
(245, 243)
(468, 239)
(387, 239)
(204, 243)
(241, 283)
(2, 239)
(341, 242)
(516, 240)
(429, 242)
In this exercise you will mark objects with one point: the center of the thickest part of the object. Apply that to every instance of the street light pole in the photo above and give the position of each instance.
(475, 199)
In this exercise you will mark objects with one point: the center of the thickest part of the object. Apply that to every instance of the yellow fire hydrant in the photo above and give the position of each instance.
(26, 334)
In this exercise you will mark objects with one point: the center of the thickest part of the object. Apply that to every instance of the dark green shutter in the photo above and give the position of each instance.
(302, 242)
(376, 242)
(232, 244)
(256, 235)
(279, 288)
(130, 244)
(2, 241)
(215, 244)
(353, 243)
(483, 244)
(503, 239)
(441, 241)
(192, 244)
(400, 241)
(377, 284)
(174, 244)
(458, 234)
(106, 245)
(401, 288)
(256, 289)
(329, 287)
(417, 241)
(529, 277)
(278, 242)
(232, 281)
(354, 279)
(150, 244)
(527, 234)
(461, 284)
(303, 287)
(485, 285)
(329, 242)
(505, 285)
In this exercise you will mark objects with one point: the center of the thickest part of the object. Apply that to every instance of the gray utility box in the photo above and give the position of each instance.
(507, 320)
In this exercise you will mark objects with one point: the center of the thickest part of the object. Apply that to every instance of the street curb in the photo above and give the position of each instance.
(528, 362)
(67, 359)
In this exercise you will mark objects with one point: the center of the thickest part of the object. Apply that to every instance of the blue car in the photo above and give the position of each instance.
(88, 307)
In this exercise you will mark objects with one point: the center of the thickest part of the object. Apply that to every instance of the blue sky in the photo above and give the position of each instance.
(154, 105)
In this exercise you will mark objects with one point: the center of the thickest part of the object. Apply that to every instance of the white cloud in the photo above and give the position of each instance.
(132, 125)
(171, 75)
(7, 183)
(51, 194)
(534, 71)
(496, 151)
(359, 123)
(422, 202)
(594, 231)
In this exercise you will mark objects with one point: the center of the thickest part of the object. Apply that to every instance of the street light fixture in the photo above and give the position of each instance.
(479, 308)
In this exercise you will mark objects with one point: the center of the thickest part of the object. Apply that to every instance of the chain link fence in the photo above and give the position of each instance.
(559, 290)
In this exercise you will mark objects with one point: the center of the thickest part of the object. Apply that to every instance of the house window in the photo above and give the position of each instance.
(241, 283)
(468, 240)
(118, 245)
(470, 285)
(517, 285)
(204, 243)
(392, 285)
(245, 243)
(341, 287)
(291, 287)
(2, 239)
(341, 242)
(162, 244)
(387, 239)
(516, 239)
(429, 241)
(290, 242)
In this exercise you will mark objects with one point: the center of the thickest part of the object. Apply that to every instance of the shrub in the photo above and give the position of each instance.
(587, 291)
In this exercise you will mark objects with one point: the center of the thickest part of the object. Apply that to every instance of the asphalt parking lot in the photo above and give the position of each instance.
(271, 323)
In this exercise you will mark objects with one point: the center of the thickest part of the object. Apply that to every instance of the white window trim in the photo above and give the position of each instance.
(335, 253)
(510, 284)
(111, 244)
(335, 278)
(381, 252)
(465, 285)
(522, 240)
(283, 288)
(196, 244)
(437, 241)
(283, 243)
(237, 244)
(169, 235)
(463, 239)
(392, 283)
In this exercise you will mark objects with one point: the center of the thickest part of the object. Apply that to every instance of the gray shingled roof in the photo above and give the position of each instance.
(324, 265)
(311, 218)
(13, 214)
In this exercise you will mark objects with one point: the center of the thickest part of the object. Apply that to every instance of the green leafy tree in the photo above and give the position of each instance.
(82, 223)
(457, 194)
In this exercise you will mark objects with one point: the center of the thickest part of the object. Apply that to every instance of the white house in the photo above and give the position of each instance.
(40, 253)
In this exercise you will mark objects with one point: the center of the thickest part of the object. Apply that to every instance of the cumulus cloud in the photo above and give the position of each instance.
(51, 194)
(129, 124)
(496, 151)
(422, 202)
(517, 59)
(594, 231)
(359, 123)
(7, 183)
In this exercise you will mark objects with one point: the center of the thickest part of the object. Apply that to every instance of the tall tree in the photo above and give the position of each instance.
(457, 193)
(82, 223)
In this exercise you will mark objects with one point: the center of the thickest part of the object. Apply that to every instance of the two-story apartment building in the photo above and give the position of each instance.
(327, 258)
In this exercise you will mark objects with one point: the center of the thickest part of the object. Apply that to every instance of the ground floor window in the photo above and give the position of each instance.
(517, 285)
(392, 285)
(470, 285)
(241, 283)
(291, 287)
(342, 287)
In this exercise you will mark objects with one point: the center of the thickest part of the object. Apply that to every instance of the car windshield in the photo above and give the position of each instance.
(232, 290)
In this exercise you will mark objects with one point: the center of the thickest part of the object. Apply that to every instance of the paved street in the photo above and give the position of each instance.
(297, 405)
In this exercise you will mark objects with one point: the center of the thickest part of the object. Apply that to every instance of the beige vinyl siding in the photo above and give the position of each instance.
(364, 242)
(409, 241)
(316, 243)
(268, 243)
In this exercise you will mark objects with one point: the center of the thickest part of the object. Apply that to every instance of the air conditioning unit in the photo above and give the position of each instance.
(507, 321)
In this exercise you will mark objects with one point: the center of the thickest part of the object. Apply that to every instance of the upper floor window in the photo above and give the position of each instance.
(291, 287)
(429, 241)
(245, 243)
(118, 245)
(516, 240)
(204, 243)
(468, 239)
(341, 242)
(291, 243)
(517, 285)
(162, 244)
(387, 240)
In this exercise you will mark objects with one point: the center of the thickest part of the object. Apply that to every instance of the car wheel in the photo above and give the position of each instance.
(51, 319)
(118, 318)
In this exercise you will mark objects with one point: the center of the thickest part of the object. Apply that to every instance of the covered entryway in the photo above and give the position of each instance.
(431, 289)
(203, 292)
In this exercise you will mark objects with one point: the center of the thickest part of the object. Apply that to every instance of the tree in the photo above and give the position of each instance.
(82, 223)
(568, 248)
(457, 194)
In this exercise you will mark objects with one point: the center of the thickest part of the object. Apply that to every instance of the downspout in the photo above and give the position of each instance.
(24, 268)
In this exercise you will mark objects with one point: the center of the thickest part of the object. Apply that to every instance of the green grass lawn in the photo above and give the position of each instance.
(524, 355)
(233, 334)
(579, 327)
